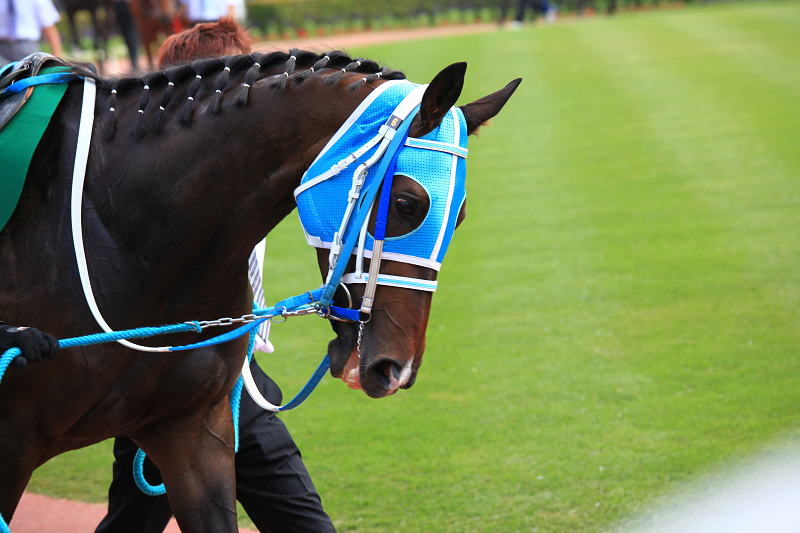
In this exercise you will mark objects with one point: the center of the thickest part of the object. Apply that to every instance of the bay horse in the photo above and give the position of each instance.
(176, 196)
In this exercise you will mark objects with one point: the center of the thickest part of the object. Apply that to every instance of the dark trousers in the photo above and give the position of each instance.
(127, 26)
(535, 5)
(522, 5)
(272, 483)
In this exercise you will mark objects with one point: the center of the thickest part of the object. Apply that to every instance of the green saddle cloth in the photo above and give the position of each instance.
(18, 141)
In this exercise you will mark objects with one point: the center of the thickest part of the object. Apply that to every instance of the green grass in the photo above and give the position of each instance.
(617, 316)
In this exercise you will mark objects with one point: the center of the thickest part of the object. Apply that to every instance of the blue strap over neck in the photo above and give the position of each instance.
(23, 84)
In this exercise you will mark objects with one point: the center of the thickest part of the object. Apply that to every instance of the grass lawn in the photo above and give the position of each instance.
(619, 313)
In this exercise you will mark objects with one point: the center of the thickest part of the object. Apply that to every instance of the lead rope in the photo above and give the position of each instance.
(235, 399)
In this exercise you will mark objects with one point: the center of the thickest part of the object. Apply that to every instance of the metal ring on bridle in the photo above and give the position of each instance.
(349, 298)
(281, 314)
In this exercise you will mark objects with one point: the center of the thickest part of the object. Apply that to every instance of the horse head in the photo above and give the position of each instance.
(382, 351)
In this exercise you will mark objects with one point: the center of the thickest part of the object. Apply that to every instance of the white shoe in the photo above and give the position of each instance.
(550, 14)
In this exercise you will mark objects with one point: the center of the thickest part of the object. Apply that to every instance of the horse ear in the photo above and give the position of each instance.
(487, 107)
(439, 97)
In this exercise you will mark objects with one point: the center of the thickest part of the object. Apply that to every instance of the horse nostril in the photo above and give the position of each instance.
(387, 373)
(394, 371)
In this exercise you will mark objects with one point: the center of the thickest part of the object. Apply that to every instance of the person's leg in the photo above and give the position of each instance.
(503, 10)
(127, 27)
(521, 10)
(272, 482)
(129, 509)
(541, 6)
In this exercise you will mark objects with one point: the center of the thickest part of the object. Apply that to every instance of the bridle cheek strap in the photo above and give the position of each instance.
(380, 233)
(399, 121)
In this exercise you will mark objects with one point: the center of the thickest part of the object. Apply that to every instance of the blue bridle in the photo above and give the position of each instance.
(435, 162)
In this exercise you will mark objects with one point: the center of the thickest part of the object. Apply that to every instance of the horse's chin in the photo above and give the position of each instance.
(343, 353)
(352, 369)
(350, 374)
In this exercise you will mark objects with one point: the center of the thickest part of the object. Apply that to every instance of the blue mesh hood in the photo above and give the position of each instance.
(442, 174)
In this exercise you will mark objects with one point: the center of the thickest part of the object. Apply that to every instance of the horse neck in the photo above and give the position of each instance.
(191, 203)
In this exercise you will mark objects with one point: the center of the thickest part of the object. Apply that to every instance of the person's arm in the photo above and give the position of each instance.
(53, 38)
(33, 344)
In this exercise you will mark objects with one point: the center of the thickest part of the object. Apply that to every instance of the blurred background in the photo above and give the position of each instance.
(91, 29)
(618, 317)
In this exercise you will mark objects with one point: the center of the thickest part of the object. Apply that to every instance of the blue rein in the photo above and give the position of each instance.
(303, 301)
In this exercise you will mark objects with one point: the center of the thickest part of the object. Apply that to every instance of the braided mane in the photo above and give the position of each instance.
(222, 73)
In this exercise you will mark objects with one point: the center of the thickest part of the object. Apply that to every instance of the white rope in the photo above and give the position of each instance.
(78, 177)
(252, 389)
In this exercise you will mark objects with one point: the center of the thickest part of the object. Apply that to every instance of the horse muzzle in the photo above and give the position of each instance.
(373, 368)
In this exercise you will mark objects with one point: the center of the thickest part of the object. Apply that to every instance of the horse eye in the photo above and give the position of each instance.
(405, 206)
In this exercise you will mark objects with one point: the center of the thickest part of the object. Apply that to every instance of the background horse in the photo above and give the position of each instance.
(154, 20)
(177, 194)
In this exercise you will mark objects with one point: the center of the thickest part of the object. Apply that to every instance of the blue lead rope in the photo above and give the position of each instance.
(236, 396)
(290, 304)
(86, 340)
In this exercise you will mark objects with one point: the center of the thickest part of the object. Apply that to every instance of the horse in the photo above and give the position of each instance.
(176, 196)
(101, 27)
(152, 20)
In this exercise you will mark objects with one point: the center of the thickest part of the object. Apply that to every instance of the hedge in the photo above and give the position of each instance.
(325, 17)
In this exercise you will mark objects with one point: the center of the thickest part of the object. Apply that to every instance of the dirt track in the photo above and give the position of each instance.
(41, 514)
(345, 41)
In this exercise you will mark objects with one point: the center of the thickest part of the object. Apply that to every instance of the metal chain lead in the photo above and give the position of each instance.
(360, 334)
(252, 317)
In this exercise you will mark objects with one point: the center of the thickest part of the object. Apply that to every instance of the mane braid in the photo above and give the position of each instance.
(222, 81)
(249, 79)
(334, 78)
(280, 81)
(200, 67)
(178, 73)
(232, 63)
(303, 65)
(320, 64)
(166, 96)
(357, 85)
(138, 130)
(112, 105)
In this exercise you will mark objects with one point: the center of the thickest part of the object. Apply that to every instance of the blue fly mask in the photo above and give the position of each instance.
(338, 191)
